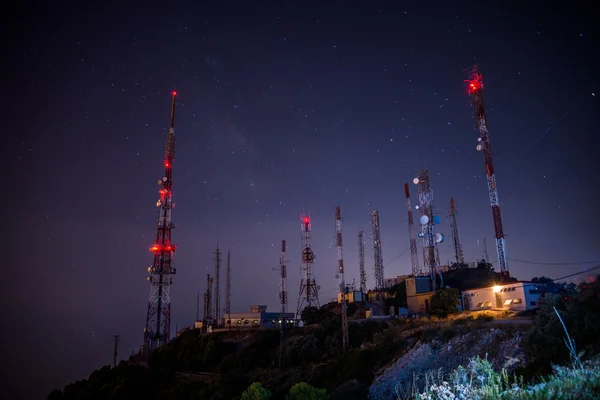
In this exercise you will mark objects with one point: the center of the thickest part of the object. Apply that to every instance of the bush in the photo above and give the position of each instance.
(444, 302)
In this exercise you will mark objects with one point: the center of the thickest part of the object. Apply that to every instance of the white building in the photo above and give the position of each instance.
(516, 296)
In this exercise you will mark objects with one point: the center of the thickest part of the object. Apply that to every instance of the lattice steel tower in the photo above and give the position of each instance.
(361, 261)
(217, 293)
(377, 254)
(309, 291)
(475, 89)
(458, 252)
(158, 317)
(414, 259)
(340, 273)
(227, 308)
(431, 258)
(208, 315)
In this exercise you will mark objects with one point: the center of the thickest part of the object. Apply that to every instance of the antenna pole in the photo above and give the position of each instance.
(416, 269)
(377, 253)
(475, 89)
(115, 353)
(343, 291)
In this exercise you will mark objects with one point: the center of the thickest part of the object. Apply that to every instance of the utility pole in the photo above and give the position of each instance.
(115, 353)
(338, 240)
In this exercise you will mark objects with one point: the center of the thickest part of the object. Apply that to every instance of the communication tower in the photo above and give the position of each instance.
(475, 89)
(486, 257)
(428, 221)
(158, 317)
(227, 308)
(343, 291)
(217, 293)
(458, 252)
(361, 261)
(309, 291)
(416, 269)
(208, 300)
(377, 254)
(282, 297)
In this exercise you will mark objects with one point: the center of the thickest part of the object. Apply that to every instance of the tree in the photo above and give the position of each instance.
(310, 315)
(482, 264)
(304, 391)
(444, 302)
(256, 391)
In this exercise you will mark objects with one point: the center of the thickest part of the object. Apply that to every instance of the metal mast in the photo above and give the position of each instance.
(309, 291)
(158, 317)
(486, 257)
(340, 273)
(361, 261)
(208, 299)
(282, 298)
(217, 293)
(458, 252)
(428, 222)
(227, 308)
(116, 352)
(475, 89)
(377, 255)
(416, 269)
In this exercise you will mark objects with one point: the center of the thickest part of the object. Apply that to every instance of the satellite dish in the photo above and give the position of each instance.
(159, 182)
(417, 207)
(416, 181)
(479, 147)
(424, 219)
(164, 179)
(436, 219)
(420, 235)
(439, 238)
(479, 139)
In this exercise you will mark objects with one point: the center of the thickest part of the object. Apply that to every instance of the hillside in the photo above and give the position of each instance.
(383, 355)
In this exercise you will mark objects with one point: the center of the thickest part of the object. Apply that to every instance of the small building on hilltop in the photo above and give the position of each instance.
(418, 294)
(257, 317)
(515, 296)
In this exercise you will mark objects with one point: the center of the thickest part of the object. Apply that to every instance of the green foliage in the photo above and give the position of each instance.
(256, 392)
(304, 391)
(444, 302)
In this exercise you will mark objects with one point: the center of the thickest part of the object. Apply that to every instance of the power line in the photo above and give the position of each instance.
(554, 263)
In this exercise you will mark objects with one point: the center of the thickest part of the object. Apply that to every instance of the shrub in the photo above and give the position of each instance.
(444, 302)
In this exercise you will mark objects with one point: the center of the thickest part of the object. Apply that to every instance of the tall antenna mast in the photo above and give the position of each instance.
(458, 252)
(361, 261)
(207, 300)
(217, 294)
(486, 257)
(282, 297)
(338, 240)
(416, 269)
(377, 254)
(475, 89)
(198, 306)
(309, 291)
(158, 317)
(115, 352)
(428, 222)
(228, 289)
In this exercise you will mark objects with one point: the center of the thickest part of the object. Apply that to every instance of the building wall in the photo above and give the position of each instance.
(517, 296)
(418, 303)
(257, 319)
(351, 297)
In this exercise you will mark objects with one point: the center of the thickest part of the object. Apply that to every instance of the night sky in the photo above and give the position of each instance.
(281, 107)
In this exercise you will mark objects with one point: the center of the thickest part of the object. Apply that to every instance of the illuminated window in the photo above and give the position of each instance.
(517, 301)
(488, 304)
(479, 305)
(255, 322)
(507, 302)
(246, 322)
(238, 322)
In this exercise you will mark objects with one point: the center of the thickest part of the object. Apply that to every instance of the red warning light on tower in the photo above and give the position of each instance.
(475, 83)
(174, 93)
(306, 220)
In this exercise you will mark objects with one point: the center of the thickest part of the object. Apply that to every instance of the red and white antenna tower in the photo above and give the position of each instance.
(158, 317)
(340, 272)
(475, 89)
(458, 252)
(309, 291)
(377, 253)
(361, 262)
(416, 269)
(217, 293)
(227, 308)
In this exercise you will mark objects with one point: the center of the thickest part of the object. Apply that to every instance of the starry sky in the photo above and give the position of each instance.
(282, 107)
